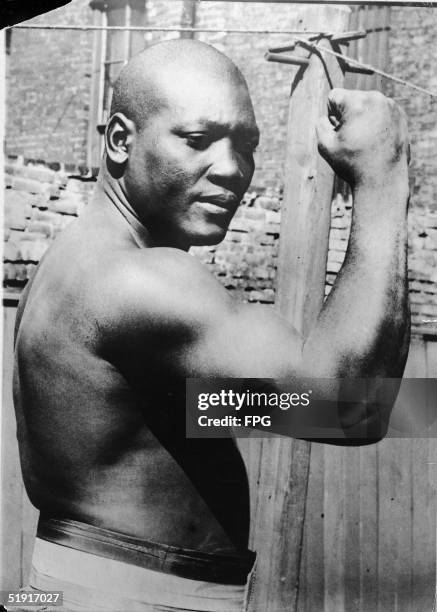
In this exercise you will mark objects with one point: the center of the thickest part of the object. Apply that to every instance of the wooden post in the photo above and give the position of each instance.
(285, 463)
(188, 18)
(308, 188)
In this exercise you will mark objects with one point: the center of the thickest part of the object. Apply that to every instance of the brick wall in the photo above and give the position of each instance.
(40, 201)
(413, 56)
(422, 259)
(48, 88)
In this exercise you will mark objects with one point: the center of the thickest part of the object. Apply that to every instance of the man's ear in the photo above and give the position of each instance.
(119, 135)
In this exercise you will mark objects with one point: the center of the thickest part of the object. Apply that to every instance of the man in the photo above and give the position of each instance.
(134, 516)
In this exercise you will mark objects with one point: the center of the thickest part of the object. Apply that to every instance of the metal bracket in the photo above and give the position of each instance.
(283, 49)
(274, 53)
(356, 69)
(347, 37)
(286, 59)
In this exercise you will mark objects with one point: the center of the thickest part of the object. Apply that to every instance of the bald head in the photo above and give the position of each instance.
(181, 141)
(142, 87)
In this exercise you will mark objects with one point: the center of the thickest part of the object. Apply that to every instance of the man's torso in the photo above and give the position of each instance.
(102, 439)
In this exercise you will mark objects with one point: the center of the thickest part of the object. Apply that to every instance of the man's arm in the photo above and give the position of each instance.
(366, 314)
(178, 319)
(364, 328)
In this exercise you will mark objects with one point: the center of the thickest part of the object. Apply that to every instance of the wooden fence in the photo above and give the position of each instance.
(369, 539)
(370, 531)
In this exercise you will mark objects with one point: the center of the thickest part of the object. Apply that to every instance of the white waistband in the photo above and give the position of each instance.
(95, 583)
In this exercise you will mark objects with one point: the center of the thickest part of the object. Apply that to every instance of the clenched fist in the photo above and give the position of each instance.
(364, 138)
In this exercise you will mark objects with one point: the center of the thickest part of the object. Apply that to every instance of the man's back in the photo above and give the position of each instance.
(100, 443)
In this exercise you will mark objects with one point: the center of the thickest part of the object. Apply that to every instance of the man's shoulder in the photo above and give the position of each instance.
(143, 271)
(146, 262)
(160, 285)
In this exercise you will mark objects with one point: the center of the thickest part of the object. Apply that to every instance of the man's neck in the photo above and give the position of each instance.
(109, 191)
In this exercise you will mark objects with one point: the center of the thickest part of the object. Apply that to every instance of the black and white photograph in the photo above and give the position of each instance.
(219, 346)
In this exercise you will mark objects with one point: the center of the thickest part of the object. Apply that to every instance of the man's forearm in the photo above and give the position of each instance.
(363, 329)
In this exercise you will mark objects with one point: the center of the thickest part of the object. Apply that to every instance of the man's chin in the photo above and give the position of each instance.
(208, 238)
(184, 237)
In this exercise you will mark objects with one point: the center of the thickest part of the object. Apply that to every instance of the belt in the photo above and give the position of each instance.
(183, 562)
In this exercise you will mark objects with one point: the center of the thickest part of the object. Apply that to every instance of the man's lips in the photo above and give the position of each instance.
(227, 202)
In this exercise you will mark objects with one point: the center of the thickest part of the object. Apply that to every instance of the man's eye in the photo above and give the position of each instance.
(197, 141)
(247, 148)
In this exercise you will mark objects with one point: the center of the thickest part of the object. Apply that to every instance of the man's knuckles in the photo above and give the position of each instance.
(367, 103)
(371, 132)
(327, 140)
(337, 95)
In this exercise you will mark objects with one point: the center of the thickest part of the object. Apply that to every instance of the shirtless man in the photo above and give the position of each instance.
(134, 516)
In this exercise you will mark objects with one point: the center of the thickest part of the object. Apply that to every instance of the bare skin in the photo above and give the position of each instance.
(118, 314)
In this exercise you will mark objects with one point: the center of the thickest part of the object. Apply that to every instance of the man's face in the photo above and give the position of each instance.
(193, 160)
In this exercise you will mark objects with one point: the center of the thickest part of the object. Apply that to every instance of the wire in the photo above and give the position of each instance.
(47, 26)
(156, 29)
(354, 62)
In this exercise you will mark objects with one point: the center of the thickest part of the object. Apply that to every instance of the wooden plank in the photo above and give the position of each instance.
(369, 504)
(12, 486)
(416, 366)
(382, 43)
(424, 467)
(250, 449)
(404, 418)
(424, 471)
(352, 570)
(312, 583)
(305, 222)
(362, 44)
(334, 536)
(352, 50)
(406, 500)
(372, 56)
(432, 472)
(263, 522)
(292, 483)
(308, 185)
(431, 358)
(371, 50)
(395, 526)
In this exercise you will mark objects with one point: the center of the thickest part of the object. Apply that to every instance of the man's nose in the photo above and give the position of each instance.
(227, 165)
